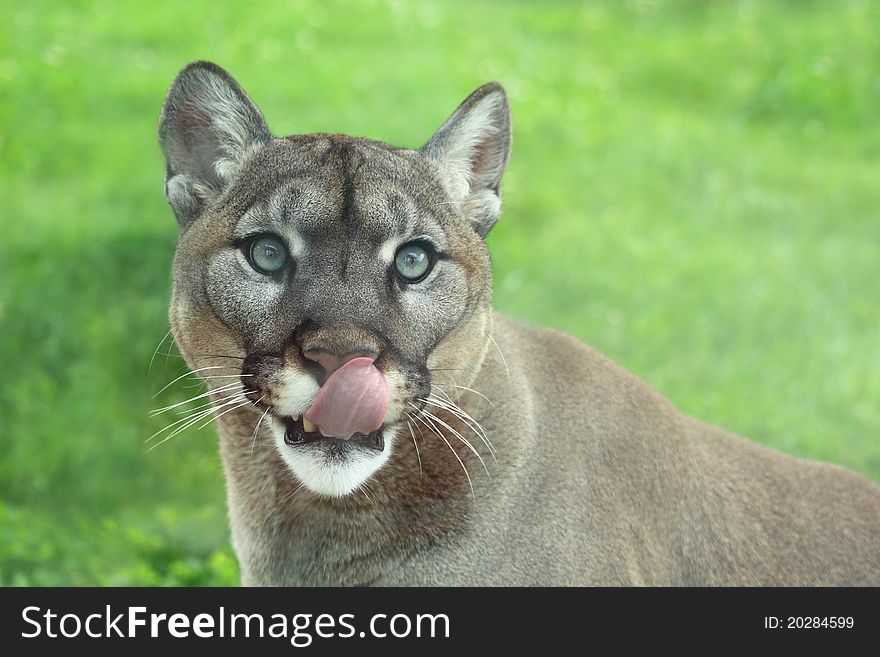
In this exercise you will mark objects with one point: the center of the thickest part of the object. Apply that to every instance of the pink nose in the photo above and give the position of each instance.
(332, 361)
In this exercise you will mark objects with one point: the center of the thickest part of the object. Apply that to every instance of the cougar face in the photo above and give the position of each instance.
(338, 277)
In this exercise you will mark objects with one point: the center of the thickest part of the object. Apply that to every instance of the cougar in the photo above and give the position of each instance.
(380, 424)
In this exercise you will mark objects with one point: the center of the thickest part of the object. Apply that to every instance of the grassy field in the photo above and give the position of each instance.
(694, 190)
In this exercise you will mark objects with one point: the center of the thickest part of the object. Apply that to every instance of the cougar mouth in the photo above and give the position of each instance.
(299, 431)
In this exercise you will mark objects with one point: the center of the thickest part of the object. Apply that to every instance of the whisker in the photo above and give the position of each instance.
(199, 381)
(198, 414)
(210, 403)
(156, 351)
(197, 356)
(187, 411)
(450, 405)
(412, 433)
(465, 417)
(434, 384)
(194, 416)
(455, 385)
(194, 420)
(459, 413)
(226, 376)
(168, 355)
(363, 489)
(460, 437)
(503, 359)
(186, 374)
(224, 388)
(433, 428)
(290, 496)
(257, 426)
(217, 417)
(201, 414)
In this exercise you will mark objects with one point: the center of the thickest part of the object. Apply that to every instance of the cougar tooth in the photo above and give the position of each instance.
(310, 427)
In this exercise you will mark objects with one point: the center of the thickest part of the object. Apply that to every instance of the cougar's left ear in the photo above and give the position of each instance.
(472, 148)
(207, 127)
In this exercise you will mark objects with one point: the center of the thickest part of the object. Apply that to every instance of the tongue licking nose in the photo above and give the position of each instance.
(354, 399)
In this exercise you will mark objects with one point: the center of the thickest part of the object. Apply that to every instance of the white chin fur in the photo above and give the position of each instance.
(335, 476)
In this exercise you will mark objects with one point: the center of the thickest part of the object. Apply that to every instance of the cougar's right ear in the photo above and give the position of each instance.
(207, 127)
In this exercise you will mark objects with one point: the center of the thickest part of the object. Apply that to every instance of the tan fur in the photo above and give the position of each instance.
(593, 477)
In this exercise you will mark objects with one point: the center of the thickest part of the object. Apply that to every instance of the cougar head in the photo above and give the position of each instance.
(338, 277)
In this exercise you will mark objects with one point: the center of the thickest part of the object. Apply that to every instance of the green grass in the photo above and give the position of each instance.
(693, 191)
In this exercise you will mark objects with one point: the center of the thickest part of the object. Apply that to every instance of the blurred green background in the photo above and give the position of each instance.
(694, 190)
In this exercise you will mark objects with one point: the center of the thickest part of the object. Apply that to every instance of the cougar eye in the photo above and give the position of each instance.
(266, 253)
(414, 261)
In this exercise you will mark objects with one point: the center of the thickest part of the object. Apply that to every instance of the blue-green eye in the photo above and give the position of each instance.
(414, 261)
(267, 254)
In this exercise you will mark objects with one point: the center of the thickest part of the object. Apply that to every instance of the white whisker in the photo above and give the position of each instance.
(290, 496)
(465, 417)
(433, 428)
(194, 418)
(156, 351)
(503, 359)
(224, 388)
(363, 489)
(210, 403)
(170, 347)
(412, 433)
(460, 437)
(225, 376)
(186, 374)
(257, 427)
(193, 412)
(217, 417)
(201, 413)
(455, 385)
(434, 384)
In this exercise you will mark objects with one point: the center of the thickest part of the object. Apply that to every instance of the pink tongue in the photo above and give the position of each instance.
(353, 400)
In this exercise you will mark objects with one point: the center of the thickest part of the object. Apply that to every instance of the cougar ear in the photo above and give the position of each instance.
(472, 148)
(207, 127)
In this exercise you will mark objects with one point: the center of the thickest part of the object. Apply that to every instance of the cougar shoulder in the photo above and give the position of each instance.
(623, 488)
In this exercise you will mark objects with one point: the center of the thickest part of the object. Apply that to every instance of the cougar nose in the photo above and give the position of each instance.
(331, 361)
